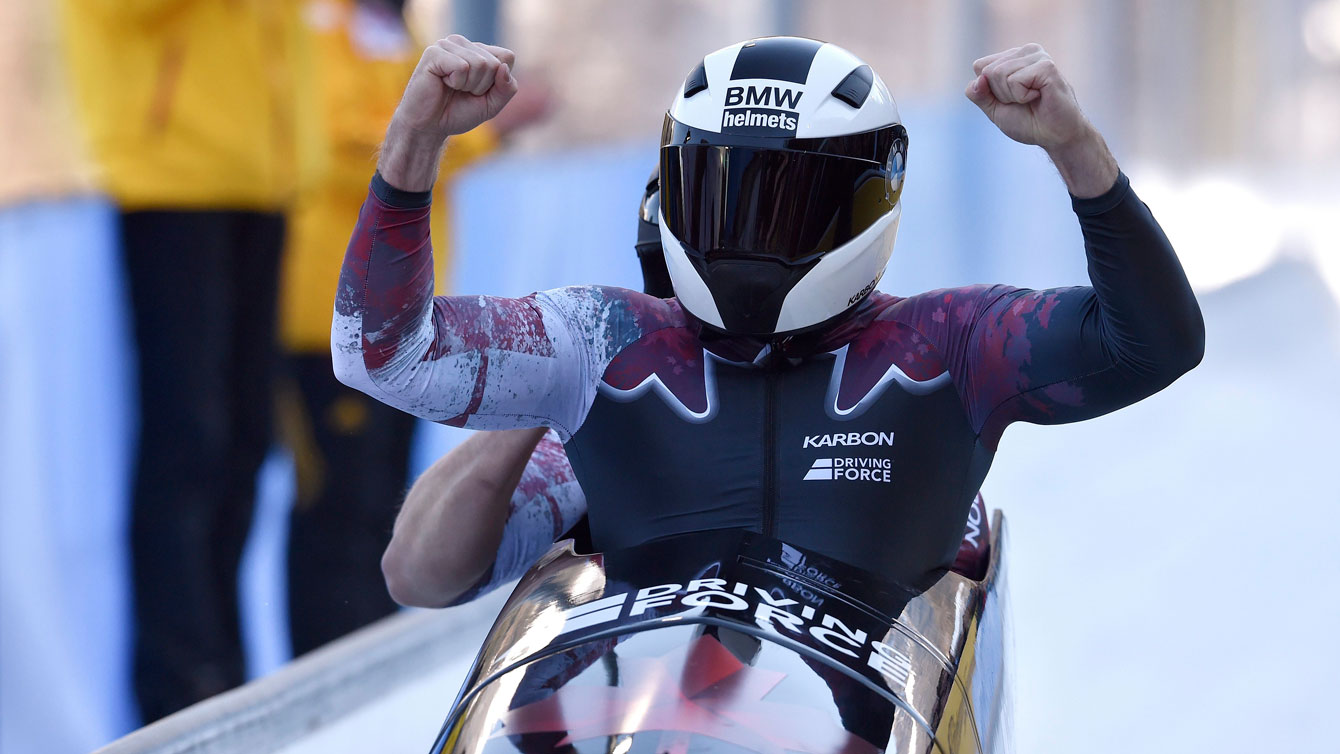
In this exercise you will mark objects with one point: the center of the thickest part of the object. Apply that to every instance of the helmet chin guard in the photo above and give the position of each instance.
(782, 164)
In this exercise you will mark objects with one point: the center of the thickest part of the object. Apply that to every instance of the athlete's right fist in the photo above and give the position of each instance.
(457, 85)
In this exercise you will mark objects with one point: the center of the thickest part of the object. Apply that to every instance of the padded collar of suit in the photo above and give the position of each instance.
(824, 337)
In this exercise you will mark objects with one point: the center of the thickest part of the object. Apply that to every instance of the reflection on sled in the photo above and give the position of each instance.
(727, 641)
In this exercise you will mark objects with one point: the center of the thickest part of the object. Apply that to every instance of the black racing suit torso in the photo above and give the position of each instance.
(866, 442)
(865, 452)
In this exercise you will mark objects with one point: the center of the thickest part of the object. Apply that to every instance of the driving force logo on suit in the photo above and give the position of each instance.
(850, 469)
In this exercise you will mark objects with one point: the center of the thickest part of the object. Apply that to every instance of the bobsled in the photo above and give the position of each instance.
(729, 641)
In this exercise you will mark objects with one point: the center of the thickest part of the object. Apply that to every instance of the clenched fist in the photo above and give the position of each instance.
(1025, 96)
(1023, 93)
(457, 85)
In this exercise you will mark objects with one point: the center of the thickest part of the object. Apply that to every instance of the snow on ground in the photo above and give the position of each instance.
(1171, 562)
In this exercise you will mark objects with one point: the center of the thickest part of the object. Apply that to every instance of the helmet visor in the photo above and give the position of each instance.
(741, 202)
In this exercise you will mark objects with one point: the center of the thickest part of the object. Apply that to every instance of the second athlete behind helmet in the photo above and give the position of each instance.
(777, 391)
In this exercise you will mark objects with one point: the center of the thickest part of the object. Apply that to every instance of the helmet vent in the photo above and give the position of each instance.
(855, 87)
(696, 82)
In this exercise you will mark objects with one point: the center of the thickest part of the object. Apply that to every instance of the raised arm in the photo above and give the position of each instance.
(480, 516)
(476, 361)
(1067, 354)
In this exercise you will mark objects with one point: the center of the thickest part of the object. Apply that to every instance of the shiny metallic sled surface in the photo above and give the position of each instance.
(727, 641)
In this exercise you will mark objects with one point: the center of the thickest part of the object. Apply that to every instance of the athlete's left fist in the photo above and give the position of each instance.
(1024, 94)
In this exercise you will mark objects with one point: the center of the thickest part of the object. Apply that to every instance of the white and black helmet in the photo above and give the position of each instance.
(782, 163)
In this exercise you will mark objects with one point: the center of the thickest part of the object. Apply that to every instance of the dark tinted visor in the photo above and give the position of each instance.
(740, 201)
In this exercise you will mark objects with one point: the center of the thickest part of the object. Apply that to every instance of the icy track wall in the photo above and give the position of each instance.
(384, 688)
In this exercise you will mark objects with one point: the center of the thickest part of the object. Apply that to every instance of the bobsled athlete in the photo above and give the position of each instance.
(776, 391)
(519, 483)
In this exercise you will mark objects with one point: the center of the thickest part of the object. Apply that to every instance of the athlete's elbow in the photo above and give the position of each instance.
(344, 372)
(1188, 343)
(348, 367)
(1166, 348)
(403, 587)
(400, 583)
(1180, 350)
(405, 582)
(413, 582)
(1193, 354)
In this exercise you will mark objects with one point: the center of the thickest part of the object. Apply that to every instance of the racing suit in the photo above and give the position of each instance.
(866, 440)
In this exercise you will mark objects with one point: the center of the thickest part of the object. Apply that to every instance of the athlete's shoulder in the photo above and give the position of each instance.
(606, 320)
(604, 305)
(877, 339)
(671, 356)
(946, 307)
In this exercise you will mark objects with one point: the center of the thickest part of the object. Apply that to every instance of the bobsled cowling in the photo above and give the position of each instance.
(728, 641)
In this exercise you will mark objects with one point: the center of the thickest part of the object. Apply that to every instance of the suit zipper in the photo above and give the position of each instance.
(770, 453)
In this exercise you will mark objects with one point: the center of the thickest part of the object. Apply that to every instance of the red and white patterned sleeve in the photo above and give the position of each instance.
(481, 362)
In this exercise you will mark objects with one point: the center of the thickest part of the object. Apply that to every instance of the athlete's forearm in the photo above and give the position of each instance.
(382, 331)
(546, 503)
(1151, 324)
(409, 159)
(385, 291)
(447, 534)
(480, 516)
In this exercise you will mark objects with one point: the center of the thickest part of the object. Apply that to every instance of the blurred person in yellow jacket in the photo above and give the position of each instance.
(351, 452)
(189, 109)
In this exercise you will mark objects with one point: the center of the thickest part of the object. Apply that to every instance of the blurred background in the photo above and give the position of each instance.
(178, 179)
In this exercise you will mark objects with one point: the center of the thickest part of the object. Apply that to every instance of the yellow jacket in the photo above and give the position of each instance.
(361, 61)
(187, 103)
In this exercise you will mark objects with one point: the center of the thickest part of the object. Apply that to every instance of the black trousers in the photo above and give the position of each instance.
(351, 454)
(203, 290)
